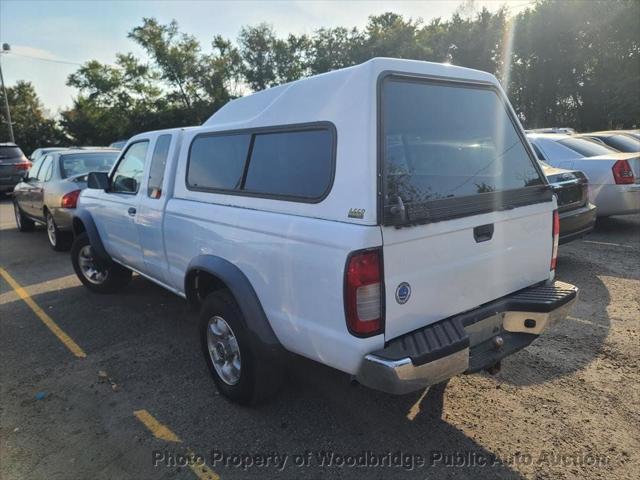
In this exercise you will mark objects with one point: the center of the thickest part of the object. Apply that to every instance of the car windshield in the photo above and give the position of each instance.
(623, 143)
(81, 163)
(443, 141)
(585, 147)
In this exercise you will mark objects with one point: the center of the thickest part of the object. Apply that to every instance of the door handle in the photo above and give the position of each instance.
(131, 211)
(482, 233)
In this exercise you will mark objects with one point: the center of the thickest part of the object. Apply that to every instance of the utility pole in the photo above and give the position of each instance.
(6, 48)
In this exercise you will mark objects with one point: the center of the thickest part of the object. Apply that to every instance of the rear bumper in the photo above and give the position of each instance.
(577, 223)
(7, 185)
(63, 217)
(468, 342)
(616, 199)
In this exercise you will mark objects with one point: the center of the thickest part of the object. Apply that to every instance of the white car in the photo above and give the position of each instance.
(614, 177)
(369, 218)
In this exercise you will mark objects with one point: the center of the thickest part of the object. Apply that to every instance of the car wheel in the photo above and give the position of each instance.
(60, 241)
(24, 223)
(98, 276)
(241, 369)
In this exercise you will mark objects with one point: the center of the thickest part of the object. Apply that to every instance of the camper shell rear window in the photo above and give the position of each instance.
(450, 149)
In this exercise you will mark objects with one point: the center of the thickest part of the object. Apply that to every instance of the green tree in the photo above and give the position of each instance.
(115, 102)
(32, 128)
(577, 64)
(175, 54)
(390, 35)
(268, 61)
(333, 48)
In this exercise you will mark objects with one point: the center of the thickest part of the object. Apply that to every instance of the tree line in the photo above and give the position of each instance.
(562, 62)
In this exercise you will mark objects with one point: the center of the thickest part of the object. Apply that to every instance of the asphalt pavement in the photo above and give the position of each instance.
(135, 400)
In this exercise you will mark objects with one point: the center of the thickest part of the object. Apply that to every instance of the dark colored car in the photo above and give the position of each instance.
(13, 166)
(577, 215)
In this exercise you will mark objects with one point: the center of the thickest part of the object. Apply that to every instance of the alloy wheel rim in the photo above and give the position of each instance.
(224, 351)
(51, 230)
(88, 266)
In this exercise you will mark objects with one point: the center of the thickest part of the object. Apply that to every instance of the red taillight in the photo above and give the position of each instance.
(70, 200)
(363, 293)
(23, 166)
(622, 173)
(555, 238)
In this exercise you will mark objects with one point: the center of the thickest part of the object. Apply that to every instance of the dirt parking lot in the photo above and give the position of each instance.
(122, 390)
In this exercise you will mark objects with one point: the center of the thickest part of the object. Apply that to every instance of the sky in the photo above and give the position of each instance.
(65, 34)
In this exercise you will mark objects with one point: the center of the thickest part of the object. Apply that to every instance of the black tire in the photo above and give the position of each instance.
(24, 223)
(261, 373)
(59, 240)
(109, 276)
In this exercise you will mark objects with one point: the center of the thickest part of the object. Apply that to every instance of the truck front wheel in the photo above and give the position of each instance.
(97, 276)
(241, 369)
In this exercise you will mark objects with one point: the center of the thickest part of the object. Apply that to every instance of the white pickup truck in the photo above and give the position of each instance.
(388, 220)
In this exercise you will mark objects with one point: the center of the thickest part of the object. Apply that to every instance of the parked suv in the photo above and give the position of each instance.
(13, 166)
(388, 220)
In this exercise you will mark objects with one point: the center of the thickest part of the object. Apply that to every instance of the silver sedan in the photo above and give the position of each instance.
(49, 192)
(614, 177)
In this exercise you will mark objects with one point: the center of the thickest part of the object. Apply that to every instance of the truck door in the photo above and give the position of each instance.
(153, 199)
(118, 207)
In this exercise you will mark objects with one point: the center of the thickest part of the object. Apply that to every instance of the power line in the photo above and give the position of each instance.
(66, 62)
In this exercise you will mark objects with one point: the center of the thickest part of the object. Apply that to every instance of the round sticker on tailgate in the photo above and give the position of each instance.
(403, 292)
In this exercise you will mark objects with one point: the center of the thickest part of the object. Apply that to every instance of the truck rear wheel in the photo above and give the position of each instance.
(243, 372)
(97, 276)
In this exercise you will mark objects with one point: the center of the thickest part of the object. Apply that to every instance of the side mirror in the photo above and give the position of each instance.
(98, 180)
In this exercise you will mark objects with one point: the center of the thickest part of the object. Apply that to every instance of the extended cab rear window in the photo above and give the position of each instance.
(446, 145)
(294, 163)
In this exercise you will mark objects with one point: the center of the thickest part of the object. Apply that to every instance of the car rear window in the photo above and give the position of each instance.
(7, 152)
(622, 143)
(74, 164)
(585, 147)
(442, 141)
(294, 164)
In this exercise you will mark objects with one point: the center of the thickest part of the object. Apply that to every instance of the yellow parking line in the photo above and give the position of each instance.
(203, 472)
(155, 427)
(46, 319)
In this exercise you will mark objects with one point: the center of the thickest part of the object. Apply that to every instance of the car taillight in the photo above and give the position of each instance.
(70, 200)
(555, 238)
(23, 166)
(622, 172)
(363, 293)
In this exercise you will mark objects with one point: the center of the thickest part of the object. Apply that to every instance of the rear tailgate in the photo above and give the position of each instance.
(449, 272)
(467, 213)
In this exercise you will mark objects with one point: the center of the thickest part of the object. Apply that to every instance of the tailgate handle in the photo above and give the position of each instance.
(482, 233)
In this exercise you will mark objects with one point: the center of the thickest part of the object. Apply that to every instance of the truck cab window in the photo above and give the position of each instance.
(158, 163)
(128, 173)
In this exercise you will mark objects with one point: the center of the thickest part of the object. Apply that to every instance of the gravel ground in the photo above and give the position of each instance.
(565, 407)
